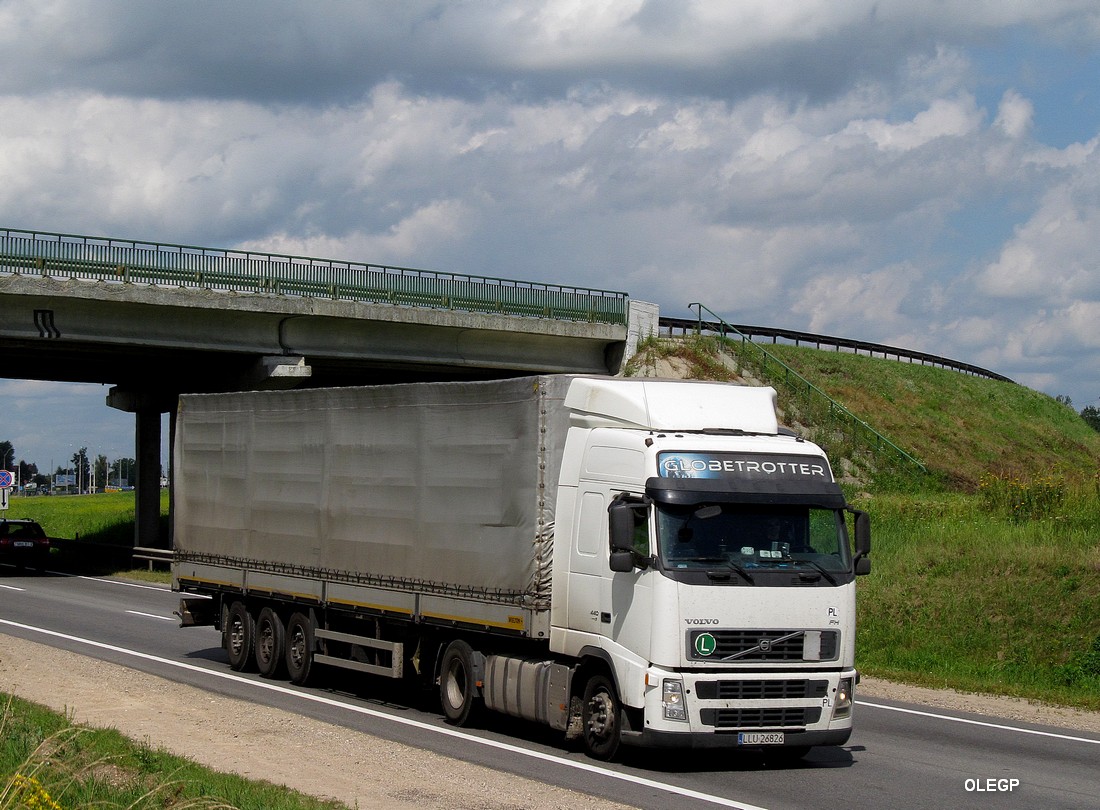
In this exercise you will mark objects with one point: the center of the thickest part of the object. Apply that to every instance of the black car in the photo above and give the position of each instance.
(23, 541)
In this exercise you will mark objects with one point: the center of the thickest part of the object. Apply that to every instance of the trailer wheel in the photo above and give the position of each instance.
(600, 717)
(240, 637)
(270, 643)
(299, 648)
(458, 684)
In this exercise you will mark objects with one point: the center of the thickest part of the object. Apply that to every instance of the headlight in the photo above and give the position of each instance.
(672, 698)
(842, 706)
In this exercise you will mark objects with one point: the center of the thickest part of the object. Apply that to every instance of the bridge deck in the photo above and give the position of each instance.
(71, 256)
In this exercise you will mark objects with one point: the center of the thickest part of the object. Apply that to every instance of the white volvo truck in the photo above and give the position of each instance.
(630, 561)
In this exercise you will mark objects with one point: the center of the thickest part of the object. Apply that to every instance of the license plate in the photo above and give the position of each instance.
(23, 544)
(760, 738)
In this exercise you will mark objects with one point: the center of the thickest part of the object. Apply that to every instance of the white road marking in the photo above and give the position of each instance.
(152, 616)
(1000, 726)
(448, 732)
(11, 588)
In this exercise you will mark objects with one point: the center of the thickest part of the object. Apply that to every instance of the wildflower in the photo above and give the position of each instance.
(30, 793)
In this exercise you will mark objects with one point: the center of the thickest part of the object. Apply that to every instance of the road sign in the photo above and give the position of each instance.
(3, 499)
(6, 479)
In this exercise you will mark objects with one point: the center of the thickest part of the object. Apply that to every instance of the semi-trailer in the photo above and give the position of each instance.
(629, 561)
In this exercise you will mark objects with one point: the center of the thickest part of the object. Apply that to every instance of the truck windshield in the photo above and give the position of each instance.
(748, 537)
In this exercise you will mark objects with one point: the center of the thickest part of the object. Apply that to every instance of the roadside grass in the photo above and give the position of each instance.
(49, 763)
(92, 533)
(106, 517)
(976, 599)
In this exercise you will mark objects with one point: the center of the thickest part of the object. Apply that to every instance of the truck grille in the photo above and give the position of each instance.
(760, 718)
(761, 690)
(762, 645)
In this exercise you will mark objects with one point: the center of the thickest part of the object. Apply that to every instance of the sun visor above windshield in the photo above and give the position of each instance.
(667, 405)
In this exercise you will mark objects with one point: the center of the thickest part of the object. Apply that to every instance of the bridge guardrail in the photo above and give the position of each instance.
(857, 346)
(106, 259)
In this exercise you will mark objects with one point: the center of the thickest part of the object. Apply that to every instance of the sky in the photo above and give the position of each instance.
(914, 173)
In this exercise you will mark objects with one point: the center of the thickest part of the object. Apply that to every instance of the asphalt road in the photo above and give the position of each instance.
(900, 756)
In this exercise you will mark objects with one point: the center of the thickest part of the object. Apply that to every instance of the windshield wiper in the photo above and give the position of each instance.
(729, 564)
(818, 566)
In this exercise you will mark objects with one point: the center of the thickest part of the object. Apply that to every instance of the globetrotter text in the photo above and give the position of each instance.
(786, 468)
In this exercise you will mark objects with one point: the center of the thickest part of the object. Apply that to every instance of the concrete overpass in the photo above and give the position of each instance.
(155, 321)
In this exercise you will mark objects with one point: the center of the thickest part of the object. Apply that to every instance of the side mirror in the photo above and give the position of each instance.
(863, 542)
(621, 562)
(624, 519)
(621, 527)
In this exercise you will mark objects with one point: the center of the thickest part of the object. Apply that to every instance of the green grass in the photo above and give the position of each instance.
(961, 427)
(102, 518)
(93, 534)
(982, 601)
(47, 763)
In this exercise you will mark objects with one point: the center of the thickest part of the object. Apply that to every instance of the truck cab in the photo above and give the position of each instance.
(709, 576)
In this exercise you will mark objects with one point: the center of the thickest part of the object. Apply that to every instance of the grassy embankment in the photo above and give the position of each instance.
(986, 568)
(47, 763)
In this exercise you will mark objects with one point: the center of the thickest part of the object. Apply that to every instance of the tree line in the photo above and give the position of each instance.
(86, 473)
(1090, 413)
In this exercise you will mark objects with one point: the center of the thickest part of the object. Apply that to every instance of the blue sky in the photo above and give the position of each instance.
(921, 174)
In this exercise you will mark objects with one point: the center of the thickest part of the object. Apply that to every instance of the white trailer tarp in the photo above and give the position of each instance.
(443, 486)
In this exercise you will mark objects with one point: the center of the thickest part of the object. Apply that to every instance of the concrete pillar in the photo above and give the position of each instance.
(147, 503)
(147, 407)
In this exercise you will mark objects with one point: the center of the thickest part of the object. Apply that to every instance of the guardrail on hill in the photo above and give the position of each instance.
(858, 429)
(857, 346)
(105, 259)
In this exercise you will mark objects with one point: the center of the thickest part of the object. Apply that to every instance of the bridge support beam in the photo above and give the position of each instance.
(147, 408)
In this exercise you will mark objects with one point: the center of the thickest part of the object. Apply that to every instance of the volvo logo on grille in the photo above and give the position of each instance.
(764, 646)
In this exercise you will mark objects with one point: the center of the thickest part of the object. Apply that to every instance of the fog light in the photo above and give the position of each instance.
(842, 706)
(672, 697)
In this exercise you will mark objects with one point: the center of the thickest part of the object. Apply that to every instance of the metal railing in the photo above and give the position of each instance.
(120, 260)
(153, 555)
(818, 341)
(792, 379)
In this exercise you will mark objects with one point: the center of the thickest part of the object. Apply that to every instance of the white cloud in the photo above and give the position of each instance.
(945, 118)
(1014, 114)
(1051, 259)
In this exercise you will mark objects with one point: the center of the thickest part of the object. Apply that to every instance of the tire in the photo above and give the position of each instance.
(240, 637)
(299, 649)
(458, 690)
(601, 716)
(270, 643)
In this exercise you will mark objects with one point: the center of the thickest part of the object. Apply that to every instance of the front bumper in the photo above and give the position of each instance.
(809, 708)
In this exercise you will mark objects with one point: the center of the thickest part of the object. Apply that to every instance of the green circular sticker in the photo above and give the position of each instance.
(705, 644)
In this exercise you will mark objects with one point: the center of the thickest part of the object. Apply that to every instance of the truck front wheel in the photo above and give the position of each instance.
(458, 684)
(240, 637)
(600, 714)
